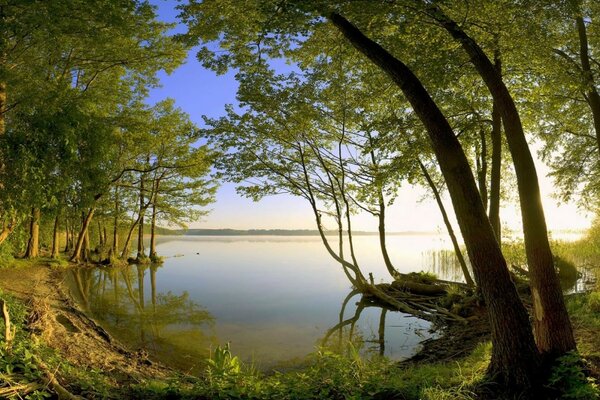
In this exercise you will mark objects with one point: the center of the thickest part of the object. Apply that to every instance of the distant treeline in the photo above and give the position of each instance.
(277, 232)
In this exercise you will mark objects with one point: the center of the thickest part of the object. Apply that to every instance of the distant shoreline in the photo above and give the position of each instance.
(304, 232)
(287, 232)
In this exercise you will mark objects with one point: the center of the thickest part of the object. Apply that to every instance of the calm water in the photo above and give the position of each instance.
(273, 298)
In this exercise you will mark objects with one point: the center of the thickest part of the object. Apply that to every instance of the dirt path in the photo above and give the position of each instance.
(62, 326)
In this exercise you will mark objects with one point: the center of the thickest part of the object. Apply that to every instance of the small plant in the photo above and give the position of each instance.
(568, 378)
(223, 363)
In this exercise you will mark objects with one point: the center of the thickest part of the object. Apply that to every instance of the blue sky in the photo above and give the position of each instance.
(199, 91)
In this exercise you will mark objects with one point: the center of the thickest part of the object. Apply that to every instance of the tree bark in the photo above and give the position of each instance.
(86, 247)
(67, 236)
(153, 254)
(33, 244)
(515, 359)
(140, 244)
(55, 238)
(125, 251)
(593, 98)
(495, 174)
(455, 245)
(552, 327)
(382, 239)
(100, 241)
(115, 243)
(2, 108)
(482, 170)
(76, 257)
(7, 229)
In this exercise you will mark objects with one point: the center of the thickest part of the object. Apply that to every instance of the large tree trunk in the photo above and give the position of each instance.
(55, 238)
(455, 245)
(552, 327)
(76, 257)
(515, 359)
(593, 98)
(33, 245)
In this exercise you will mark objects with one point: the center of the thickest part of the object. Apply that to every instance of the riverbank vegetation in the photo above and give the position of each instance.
(340, 104)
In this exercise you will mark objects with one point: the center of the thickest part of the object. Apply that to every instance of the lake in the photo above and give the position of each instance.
(272, 297)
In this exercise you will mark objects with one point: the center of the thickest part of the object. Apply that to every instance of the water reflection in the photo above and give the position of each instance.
(170, 326)
(273, 298)
(404, 332)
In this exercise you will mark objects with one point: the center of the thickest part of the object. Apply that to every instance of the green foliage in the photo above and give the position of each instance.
(222, 363)
(422, 277)
(17, 363)
(7, 252)
(594, 301)
(569, 379)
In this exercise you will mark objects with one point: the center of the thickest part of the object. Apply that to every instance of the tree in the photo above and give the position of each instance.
(270, 29)
(552, 327)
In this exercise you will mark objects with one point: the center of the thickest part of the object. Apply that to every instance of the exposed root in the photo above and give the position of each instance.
(52, 382)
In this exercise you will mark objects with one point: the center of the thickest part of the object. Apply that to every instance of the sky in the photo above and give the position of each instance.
(199, 91)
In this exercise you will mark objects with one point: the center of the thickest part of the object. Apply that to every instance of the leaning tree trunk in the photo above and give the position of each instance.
(33, 245)
(552, 327)
(55, 239)
(440, 203)
(515, 359)
(125, 251)
(76, 257)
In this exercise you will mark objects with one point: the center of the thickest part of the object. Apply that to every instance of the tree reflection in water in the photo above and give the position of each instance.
(346, 331)
(170, 326)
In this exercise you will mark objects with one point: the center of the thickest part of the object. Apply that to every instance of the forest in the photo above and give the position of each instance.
(110, 288)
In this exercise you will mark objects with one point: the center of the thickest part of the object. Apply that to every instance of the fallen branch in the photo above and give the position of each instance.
(8, 332)
(52, 382)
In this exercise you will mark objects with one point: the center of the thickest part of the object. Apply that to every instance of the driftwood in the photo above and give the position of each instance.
(418, 287)
(8, 331)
